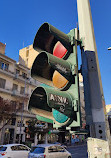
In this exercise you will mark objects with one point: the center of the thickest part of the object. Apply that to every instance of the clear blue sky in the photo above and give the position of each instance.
(20, 20)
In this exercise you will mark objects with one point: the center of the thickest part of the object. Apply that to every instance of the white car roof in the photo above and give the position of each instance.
(6, 145)
(45, 145)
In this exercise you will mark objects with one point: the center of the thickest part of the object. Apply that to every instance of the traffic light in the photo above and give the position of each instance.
(56, 66)
(26, 130)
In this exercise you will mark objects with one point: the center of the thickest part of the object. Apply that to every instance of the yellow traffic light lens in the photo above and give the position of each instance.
(58, 80)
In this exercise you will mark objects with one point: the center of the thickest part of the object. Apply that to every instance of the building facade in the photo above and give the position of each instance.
(16, 86)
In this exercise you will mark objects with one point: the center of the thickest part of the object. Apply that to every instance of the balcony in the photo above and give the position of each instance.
(17, 93)
(7, 72)
(29, 81)
(19, 77)
(14, 93)
(5, 90)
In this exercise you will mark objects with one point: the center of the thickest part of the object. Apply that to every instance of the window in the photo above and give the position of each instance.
(27, 52)
(60, 149)
(2, 148)
(20, 106)
(52, 149)
(19, 123)
(21, 147)
(24, 75)
(38, 150)
(13, 105)
(17, 71)
(14, 148)
(13, 121)
(15, 87)
(22, 90)
(4, 66)
(2, 83)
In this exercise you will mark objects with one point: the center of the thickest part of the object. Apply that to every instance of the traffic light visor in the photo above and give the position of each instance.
(47, 36)
(38, 103)
(44, 70)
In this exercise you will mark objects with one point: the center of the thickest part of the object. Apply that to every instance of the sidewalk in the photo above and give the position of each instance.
(77, 144)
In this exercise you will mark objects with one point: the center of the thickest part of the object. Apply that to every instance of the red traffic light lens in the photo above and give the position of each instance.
(59, 50)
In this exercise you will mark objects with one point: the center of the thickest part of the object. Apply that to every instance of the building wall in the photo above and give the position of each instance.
(2, 48)
(18, 74)
(27, 56)
(108, 108)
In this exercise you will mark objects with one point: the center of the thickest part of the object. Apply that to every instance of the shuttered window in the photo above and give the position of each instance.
(2, 83)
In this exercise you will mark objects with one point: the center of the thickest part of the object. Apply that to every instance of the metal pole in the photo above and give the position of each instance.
(22, 114)
(92, 78)
(93, 92)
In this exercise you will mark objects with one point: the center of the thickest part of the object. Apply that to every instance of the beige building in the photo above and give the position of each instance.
(16, 86)
(108, 108)
(27, 56)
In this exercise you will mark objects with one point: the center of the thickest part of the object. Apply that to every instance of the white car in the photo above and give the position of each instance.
(48, 151)
(14, 151)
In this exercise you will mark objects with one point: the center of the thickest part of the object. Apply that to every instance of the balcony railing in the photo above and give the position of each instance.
(17, 93)
(7, 72)
(14, 92)
(28, 80)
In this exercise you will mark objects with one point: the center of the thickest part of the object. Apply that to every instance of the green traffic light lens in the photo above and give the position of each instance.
(59, 117)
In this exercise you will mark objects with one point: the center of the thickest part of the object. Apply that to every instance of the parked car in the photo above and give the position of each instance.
(57, 143)
(14, 151)
(48, 151)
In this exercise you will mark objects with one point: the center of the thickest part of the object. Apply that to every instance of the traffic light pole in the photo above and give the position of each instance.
(94, 97)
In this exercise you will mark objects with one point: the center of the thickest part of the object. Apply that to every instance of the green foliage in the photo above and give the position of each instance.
(32, 129)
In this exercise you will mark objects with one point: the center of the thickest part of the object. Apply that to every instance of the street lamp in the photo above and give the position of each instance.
(109, 48)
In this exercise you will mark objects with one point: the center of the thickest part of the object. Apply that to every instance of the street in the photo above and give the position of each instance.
(79, 151)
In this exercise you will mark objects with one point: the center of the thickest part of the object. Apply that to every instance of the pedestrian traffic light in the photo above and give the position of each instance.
(26, 130)
(57, 67)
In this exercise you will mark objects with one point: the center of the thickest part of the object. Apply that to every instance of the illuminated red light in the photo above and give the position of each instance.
(59, 50)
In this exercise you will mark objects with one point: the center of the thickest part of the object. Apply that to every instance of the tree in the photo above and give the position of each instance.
(31, 129)
(7, 110)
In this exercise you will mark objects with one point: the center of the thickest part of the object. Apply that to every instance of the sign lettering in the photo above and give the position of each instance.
(63, 69)
(58, 99)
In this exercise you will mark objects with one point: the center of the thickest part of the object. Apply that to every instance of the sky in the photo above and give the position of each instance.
(20, 20)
